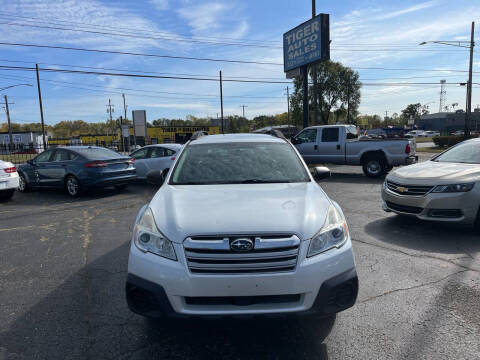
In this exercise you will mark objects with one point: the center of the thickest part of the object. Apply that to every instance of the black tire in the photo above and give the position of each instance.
(6, 194)
(72, 186)
(23, 185)
(121, 187)
(374, 166)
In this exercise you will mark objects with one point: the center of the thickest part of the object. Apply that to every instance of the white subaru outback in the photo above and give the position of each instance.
(240, 227)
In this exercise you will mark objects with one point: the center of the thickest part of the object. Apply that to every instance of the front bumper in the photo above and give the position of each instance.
(444, 207)
(324, 284)
(9, 182)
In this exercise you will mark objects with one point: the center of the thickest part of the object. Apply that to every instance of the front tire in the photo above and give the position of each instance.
(72, 186)
(23, 184)
(374, 167)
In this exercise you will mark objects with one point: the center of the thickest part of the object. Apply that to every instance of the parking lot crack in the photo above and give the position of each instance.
(86, 243)
(413, 287)
(420, 255)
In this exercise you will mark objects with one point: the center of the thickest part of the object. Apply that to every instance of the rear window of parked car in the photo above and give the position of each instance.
(98, 153)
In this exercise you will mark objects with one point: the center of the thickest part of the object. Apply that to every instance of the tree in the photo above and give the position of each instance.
(412, 111)
(338, 89)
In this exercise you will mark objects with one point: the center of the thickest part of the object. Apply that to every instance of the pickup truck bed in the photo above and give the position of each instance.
(336, 144)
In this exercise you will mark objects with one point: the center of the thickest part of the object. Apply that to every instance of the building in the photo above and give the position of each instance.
(447, 122)
(22, 140)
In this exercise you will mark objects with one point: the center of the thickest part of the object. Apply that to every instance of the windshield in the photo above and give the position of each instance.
(97, 153)
(468, 152)
(238, 163)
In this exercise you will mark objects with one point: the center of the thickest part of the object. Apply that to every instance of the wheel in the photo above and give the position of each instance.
(6, 194)
(374, 167)
(22, 184)
(72, 186)
(121, 187)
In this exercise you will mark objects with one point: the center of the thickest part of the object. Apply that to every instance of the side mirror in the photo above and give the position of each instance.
(157, 177)
(320, 173)
(293, 140)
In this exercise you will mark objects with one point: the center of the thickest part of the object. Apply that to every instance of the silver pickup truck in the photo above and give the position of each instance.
(339, 144)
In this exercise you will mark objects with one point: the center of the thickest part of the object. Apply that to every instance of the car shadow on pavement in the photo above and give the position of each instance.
(426, 236)
(86, 317)
(353, 178)
(40, 197)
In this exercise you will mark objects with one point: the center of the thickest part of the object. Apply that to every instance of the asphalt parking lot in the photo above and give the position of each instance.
(63, 266)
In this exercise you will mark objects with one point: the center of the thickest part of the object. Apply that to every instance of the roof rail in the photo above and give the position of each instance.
(198, 134)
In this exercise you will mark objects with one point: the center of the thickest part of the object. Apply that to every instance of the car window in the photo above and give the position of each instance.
(237, 163)
(140, 154)
(44, 156)
(330, 134)
(169, 152)
(306, 136)
(467, 152)
(157, 152)
(61, 155)
(97, 153)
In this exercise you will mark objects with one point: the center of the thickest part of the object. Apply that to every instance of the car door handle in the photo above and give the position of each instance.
(315, 147)
(338, 147)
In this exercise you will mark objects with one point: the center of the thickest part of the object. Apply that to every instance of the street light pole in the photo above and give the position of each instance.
(469, 45)
(469, 86)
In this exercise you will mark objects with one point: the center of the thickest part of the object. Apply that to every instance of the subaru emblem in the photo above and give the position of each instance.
(241, 245)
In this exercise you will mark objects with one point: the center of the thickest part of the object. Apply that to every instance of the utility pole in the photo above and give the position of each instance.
(348, 103)
(110, 110)
(288, 106)
(124, 109)
(10, 136)
(386, 114)
(314, 75)
(469, 85)
(221, 102)
(243, 106)
(304, 70)
(126, 123)
(41, 108)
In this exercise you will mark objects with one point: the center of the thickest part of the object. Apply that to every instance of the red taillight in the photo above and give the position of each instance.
(407, 149)
(10, 170)
(96, 164)
(131, 160)
(172, 158)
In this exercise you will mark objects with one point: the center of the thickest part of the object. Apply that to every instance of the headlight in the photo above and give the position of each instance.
(384, 185)
(453, 188)
(147, 238)
(333, 234)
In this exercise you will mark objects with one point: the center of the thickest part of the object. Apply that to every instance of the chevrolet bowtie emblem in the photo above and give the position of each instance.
(402, 189)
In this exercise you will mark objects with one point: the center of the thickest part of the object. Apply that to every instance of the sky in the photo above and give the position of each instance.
(372, 37)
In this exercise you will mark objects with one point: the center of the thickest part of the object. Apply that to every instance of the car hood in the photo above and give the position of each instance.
(432, 172)
(296, 208)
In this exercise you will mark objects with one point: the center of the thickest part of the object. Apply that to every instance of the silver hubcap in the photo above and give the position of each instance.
(373, 167)
(72, 186)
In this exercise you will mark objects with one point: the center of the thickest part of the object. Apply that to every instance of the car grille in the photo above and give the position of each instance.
(213, 255)
(412, 190)
(404, 208)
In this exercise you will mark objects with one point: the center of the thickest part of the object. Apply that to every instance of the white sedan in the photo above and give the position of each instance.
(416, 133)
(8, 179)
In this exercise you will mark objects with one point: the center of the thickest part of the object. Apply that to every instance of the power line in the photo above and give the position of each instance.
(140, 54)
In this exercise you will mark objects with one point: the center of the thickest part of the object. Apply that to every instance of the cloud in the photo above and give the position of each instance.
(408, 10)
(159, 4)
(215, 18)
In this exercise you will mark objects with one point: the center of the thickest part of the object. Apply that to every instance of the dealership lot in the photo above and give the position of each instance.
(63, 267)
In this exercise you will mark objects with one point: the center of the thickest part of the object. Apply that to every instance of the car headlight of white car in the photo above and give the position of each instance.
(148, 238)
(453, 188)
(333, 234)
